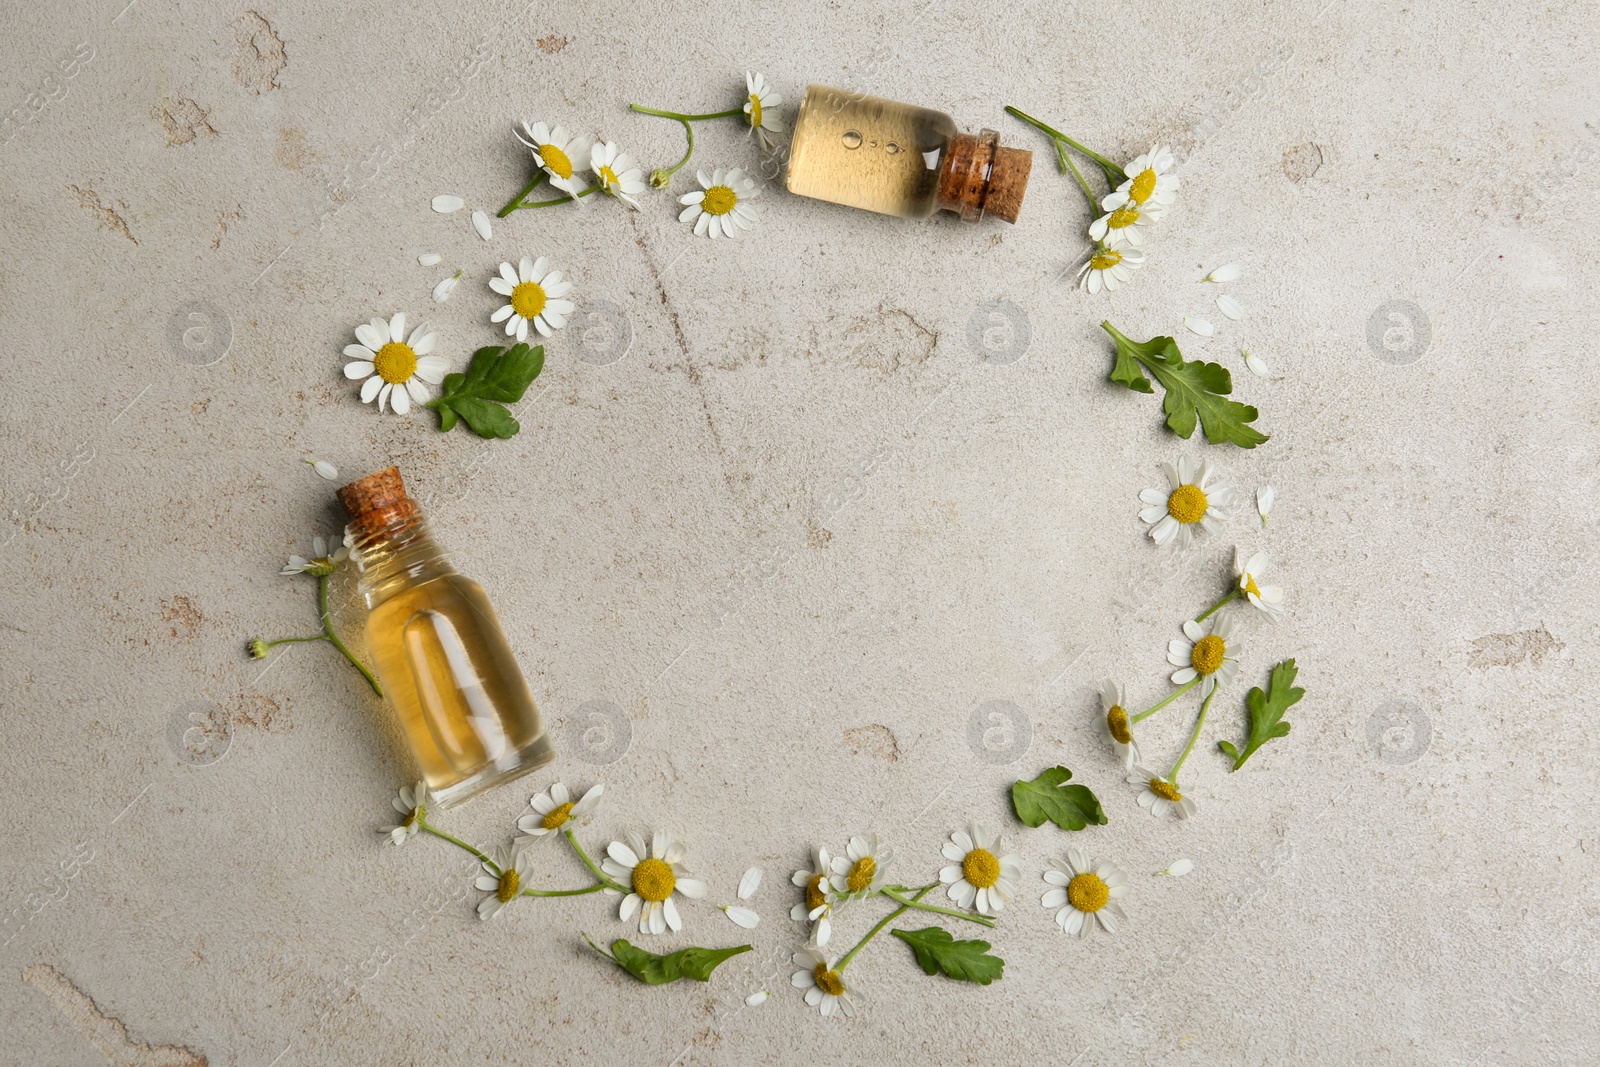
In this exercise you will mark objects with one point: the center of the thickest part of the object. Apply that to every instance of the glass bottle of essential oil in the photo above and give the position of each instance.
(871, 153)
(439, 651)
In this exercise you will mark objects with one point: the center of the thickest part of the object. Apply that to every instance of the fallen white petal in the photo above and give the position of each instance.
(428, 259)
(1257, 365)
(742, 916)
(749, 883)
(1225, 273)
(324, 468)
(1230, 307)
(441, 292)
(758, 997)
(1266, 496)
(480, 222)
(1199, 326)
(446, 204)
(1179, 868)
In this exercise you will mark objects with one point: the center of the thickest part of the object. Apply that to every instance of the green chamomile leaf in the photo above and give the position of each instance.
(1266, 712)
(1071, 807)
(652, 969)
(495, 378)
(939, 953)
(1196, 391)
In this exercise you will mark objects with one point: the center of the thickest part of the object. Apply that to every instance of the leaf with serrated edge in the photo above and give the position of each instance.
(1196, 392)
(939, 953)
(496, 377)
(1048, 797)
(653, 969)
(1266, 712)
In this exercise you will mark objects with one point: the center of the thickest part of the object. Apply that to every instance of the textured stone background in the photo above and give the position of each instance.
(827, 507)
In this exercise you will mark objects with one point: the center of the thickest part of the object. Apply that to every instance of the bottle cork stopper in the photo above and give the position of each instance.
(1008, 180)
(980, 177)
(377, 502)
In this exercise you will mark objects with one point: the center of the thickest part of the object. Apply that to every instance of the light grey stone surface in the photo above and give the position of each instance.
(803, 531)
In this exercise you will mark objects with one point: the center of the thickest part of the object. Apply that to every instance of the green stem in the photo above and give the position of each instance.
(887, 919)
(1209, 611)
(598, 949)
(1182, 689)
(1114, 173)
(327, 626)
(1198, 723)
(508, 209)
(688, 118)
(561, 892)
(516, 201)
(1061, 154)
(981, 920)
(606, 882)
(294, 640)
(454, 840)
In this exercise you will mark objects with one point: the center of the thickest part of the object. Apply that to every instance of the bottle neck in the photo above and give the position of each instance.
(395, 556)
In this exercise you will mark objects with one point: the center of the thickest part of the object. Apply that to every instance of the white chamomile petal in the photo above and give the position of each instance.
(1200, 326)
(446, 286)
(1226, 273)
(1230, 307)
(749, 883)
(430, 259)
(444, 205)
(742, 917)
(1179, 868)
(480, 222)
(1257, 365)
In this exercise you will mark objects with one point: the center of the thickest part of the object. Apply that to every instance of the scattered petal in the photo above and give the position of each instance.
(742, 916)
(749, 883)
(429, 259)
(1265, 497)
(1179, 868)
(1257, 365)
(758, 997)
(446, 204)
(323, 468)
(1226, 273)
(442, 291)
(480, 222)
(1199, 326)
(1230, 307)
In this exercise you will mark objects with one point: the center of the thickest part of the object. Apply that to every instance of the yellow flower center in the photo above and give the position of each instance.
(860, 876)
(719, 200)
(418, 813)
(555, 160)
(557, 817)
(1105, 260)
(510, 885)
(1165, 790)
(1250, 586)
(1087, 892)
(653, 879)
(1208, 653)
(755, 110)
(828, 981)
(1123, 217)
(815, 897)
(395, 362)
(981, 868)
(528, 300)
(608, 179)
(1187, 503)
(1144, 183)
(1117, 723)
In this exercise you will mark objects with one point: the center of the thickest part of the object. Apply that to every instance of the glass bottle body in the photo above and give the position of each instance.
(446, 667)
(867, 152)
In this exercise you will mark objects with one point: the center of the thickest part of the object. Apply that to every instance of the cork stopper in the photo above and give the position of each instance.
(377, 503)
(978, 176)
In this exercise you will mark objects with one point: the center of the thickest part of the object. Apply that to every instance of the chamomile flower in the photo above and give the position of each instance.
(980, 871)
(1204, 654)
(761, 109)
(412, 804)
(719, 207)
(1119, 724)
(1150, 183)
(863, 867)
(558, 153)
(503, 880)
(1123, 227)
(325, 562)
(654, 875)
(817, 907)
(1191, 500)
(1108, 268)
(1159, 794)
(824, 985)
(395, 366)
(533, 293)
(1268, 599)
(614, 171)
(554, 809)
(1086, 893)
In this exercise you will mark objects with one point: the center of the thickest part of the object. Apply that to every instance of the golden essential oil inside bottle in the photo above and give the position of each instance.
(896, 159)
(438, 650)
